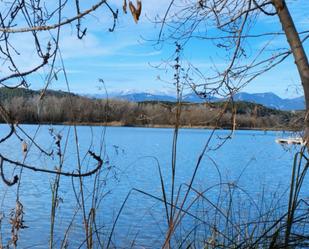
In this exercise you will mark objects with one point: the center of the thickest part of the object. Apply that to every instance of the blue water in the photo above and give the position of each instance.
(250, 160)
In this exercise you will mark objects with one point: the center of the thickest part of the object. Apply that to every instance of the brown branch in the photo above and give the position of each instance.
(7, 182)
(54, 26)
(55, 172)
(243, 36)
(22, 74)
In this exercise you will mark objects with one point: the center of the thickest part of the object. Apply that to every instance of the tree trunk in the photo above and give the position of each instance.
(298, 51)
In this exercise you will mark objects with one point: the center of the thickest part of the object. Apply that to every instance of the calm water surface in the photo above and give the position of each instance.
(250, 160)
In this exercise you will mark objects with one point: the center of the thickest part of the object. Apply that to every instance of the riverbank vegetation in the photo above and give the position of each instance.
(59, 107)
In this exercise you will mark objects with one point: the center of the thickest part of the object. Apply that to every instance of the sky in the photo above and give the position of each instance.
(129, 58)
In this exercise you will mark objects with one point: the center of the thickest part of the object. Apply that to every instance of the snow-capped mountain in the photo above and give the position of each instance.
(271, 100)
(267, 99)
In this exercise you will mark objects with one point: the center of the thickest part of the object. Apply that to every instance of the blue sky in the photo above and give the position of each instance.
(127, 59)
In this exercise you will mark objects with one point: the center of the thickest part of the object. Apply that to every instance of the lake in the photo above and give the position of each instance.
(249, 165)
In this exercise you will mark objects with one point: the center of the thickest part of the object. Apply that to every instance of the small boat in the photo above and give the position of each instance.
(291, 140)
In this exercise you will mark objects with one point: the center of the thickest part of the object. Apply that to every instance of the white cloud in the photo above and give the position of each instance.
(90, 46)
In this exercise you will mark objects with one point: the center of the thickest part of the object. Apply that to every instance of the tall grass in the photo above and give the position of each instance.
(193, 217)
(235, 219)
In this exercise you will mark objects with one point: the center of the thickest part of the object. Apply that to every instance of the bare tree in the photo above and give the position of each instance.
(296, 47)
(39, 24)
(229, 25)
(30, 40)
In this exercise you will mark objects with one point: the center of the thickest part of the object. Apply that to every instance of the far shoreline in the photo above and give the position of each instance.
(120, 124)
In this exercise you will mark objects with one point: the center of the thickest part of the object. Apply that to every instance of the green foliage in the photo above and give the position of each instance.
(8, 94)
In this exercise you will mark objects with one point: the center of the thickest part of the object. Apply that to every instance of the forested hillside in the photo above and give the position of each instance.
(62, 107)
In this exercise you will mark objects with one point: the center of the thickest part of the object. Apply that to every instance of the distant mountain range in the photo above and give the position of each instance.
(271, 100)
(268, 99)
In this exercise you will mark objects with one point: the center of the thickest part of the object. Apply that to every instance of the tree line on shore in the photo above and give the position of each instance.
(61, 107)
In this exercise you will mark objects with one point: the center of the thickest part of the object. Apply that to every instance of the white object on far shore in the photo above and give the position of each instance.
(291, 140)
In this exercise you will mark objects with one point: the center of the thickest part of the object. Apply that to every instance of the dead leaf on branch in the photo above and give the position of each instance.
(124, 6)
(135, 10)
(24, 147)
